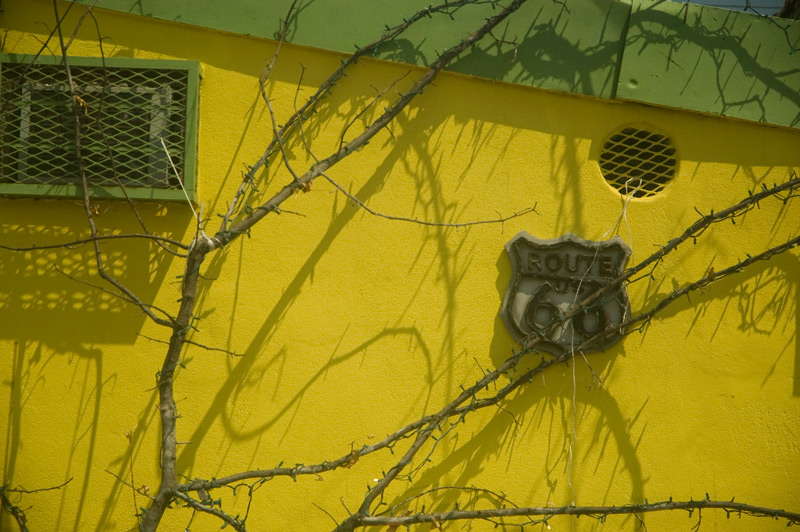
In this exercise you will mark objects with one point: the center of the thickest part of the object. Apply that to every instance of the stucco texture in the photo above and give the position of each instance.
(350, 325)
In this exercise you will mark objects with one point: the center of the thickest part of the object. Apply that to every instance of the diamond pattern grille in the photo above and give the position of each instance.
(123, 112)
(638, 161)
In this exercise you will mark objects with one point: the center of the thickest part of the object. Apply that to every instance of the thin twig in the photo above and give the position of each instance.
(196, 344)
(375, 99)
(38, 490)
(86, 12)
(350, 458)
(284, 28)
(180, 182)
(327, 513)
(123, 297)
(197, 505)
(362, 205)
(83, 241)
(128, 484)
(709, 278)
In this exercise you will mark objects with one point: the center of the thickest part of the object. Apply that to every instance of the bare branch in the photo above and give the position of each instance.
(38, 490)
(75, 100)
(140, 491)
(243, 226)
(361, 204)
(513, 43)
(599, 512)
(421, 431)
(197, 505)
(138, 302)
(327, 513)
(168, 412)
(284, 28)
(427, 423)
(279, 138)
(692, 232)
(711, 276)
(15, 511)
(448, 7)
(180, 182)
(502, 499)
(196, 344)
(282, 32)
(379, 94)
(476, 404)
(83, 241)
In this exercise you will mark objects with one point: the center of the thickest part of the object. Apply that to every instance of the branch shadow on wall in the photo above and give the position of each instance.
(53, 294)
(55, 318)
(541, 418)
(446, 267)
(763, 297)
(30, 377)
(743, 80)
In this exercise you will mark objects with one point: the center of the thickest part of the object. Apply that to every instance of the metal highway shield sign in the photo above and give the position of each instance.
(550, 277)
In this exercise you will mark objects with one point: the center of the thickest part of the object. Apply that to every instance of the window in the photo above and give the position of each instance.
(127, 107)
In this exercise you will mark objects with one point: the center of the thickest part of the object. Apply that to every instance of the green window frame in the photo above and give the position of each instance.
(127, 108)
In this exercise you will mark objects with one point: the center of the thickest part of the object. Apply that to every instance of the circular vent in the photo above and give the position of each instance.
(638, 161)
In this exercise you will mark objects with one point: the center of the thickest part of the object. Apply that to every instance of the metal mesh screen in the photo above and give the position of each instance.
(638, 161)
(124, 113)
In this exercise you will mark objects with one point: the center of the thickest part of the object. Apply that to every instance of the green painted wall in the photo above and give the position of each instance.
(712, 60)
(699, 58)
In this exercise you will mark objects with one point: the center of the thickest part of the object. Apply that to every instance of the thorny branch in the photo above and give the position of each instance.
(209, 509)
(224, 237)
(75, 100)
(14, 510)
(692, 232)
(710, 277)
(308, 108)
(203, 245)
(134, 489)
(597, 512)
(499, 497)
(469, 402)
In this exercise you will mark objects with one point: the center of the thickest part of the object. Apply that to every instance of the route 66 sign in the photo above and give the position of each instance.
(550, 277)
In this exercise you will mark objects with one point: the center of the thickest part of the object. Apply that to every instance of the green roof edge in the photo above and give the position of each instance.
(658, 52)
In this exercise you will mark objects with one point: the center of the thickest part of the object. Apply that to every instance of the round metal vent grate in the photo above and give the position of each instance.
(638, 161)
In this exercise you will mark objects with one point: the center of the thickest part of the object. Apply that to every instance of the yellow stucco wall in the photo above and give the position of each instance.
(352, 326)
